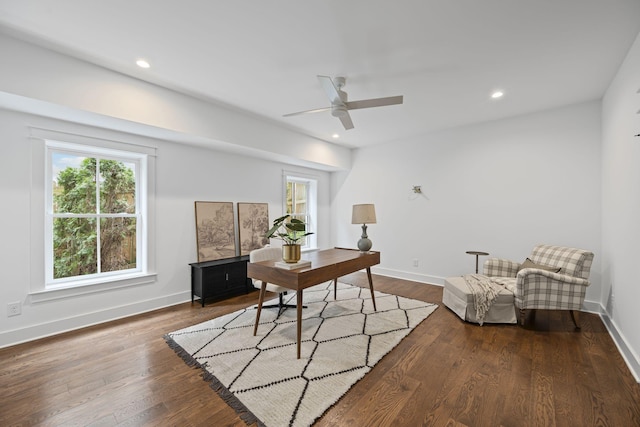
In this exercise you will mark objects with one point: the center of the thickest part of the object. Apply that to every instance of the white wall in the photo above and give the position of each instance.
(499, 187)
(184, 174)
(621, 204)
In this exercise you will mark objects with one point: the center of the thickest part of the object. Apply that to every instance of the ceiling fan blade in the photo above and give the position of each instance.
(330, 89)
(376, 102)
(346, 121)
(316, 110)
(339, 104)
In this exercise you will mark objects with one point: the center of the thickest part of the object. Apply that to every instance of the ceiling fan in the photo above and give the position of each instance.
(340, 105)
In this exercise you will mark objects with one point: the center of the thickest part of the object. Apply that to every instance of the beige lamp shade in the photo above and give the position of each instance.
(363, 214)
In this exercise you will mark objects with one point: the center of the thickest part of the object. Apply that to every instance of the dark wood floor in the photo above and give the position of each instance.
(445, 373)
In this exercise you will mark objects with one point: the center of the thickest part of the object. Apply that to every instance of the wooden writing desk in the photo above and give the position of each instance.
(326, 265)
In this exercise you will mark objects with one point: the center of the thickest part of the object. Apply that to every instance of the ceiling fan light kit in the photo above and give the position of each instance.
(340, 104)
(339, 111)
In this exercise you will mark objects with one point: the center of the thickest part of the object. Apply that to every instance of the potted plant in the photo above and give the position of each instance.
(290, 231)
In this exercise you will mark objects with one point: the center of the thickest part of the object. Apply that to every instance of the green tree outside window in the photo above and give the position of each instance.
(80, 228)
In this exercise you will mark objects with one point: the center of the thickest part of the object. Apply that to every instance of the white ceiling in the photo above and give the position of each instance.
(262, 57)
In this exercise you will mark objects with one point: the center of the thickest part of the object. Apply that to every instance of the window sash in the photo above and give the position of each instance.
(139, 161)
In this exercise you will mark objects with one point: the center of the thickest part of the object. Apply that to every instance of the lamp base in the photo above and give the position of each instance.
(364, 244)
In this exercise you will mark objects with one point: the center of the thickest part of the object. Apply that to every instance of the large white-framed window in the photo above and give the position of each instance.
(97, 229)
(301, 202)
(94, 218)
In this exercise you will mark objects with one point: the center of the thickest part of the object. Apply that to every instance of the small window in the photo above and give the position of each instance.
(95, 209)
(300, 203)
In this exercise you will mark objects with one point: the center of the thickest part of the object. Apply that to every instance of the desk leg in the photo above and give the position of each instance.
(373, 298)
(335, 289)
(263, 290)
(299, 319)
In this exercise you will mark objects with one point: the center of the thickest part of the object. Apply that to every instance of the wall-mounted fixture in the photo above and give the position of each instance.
(415, 193)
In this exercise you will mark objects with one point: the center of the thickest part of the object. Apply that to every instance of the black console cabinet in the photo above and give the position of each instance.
(220, 279)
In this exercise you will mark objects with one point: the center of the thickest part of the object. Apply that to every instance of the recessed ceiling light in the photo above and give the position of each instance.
(497, 94)
(143, 63)
(335, 135)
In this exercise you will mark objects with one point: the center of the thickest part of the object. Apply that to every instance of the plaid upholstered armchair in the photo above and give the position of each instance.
(552, 278)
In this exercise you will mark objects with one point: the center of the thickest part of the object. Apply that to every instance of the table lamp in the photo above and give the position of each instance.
(364, 214)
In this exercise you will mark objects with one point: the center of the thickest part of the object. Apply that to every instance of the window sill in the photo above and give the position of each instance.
(90, 287)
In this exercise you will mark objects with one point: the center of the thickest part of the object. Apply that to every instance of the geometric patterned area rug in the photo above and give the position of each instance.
(261, 378)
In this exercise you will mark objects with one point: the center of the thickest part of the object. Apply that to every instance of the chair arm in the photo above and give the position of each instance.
(536, 288)
(500, 267)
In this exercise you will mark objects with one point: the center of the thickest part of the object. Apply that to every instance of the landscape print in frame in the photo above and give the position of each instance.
(253, 222)
(215, 232)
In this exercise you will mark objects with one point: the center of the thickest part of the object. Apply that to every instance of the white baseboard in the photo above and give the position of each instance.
(42, 330)
(631, 359)
(414, 277)
(591, 307)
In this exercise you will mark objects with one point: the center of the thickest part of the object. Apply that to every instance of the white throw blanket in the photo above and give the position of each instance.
(484, 293)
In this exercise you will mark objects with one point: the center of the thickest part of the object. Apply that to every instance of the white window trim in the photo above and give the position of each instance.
(312, 200)
(39, 289)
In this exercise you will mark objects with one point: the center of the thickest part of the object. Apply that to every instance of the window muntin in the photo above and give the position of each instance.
(94, 214)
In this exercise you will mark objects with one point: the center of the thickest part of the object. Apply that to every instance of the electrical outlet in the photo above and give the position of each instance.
(13, 309)
(415, 262)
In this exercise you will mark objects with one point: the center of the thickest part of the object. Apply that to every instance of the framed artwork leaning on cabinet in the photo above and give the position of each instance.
(215, 231)
(253, 224)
